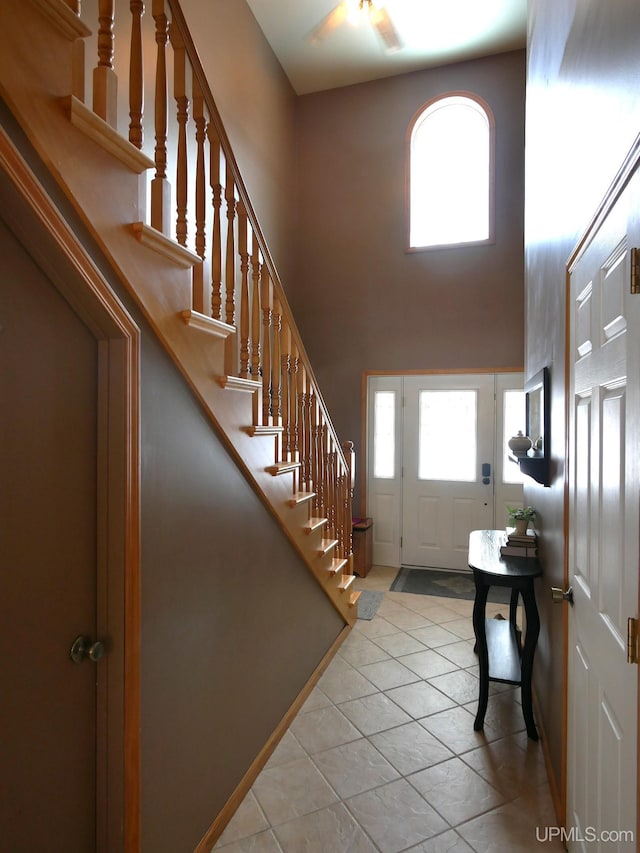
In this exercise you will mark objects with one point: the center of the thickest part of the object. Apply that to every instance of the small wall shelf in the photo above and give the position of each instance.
(536, 467)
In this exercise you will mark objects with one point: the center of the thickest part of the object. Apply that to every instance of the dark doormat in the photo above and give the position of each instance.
(445, 584)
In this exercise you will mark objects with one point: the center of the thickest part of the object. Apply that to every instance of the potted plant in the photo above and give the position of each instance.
(521, 517)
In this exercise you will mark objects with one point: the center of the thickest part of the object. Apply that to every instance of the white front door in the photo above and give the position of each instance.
(603, 543)
(448, 467)
(437, 463)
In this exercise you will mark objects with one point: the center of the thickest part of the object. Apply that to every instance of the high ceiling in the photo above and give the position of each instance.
(433, 32)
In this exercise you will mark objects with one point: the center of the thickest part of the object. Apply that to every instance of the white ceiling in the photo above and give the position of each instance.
(434, 32)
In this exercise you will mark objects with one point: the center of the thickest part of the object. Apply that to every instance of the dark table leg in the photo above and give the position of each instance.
(479, 616)
(531, 638)
(513, 609)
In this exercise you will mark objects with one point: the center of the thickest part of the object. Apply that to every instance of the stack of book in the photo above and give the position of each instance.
(519, 545)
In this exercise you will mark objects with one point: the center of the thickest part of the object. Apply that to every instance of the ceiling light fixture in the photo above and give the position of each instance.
(353, 11)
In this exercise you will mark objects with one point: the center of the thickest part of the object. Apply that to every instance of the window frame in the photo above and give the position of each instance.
(490, 240)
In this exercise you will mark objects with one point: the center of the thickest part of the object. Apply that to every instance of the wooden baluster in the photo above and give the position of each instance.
(315, 454)
(136, 75)
(231, 343)
(321, 466)
(160, 188)
(243, 251)
(276, 400)
(336, 503)
(182, 115)
(255, 325)
(349, 485)
(200, 195)
(77, 58)
(216, 238)
(330, 466)
(294, 447)
(105, 82)
(340, 486)
(303, 428)
(325, 468)
(230, 268)
(285, 361)
(265, 289)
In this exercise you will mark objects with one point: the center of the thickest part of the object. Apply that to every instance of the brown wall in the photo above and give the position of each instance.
(363, 303)
(257, 104)
(583, 113)
(233, 623)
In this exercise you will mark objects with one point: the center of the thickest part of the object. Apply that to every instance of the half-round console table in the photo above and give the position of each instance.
(501, 657)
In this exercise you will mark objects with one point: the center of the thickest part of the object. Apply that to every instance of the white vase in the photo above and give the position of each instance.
(519, 444)
(521, 525)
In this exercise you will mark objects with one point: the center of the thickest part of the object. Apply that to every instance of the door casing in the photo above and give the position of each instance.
(41, 228)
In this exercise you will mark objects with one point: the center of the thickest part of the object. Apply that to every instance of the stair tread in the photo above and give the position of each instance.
(282, 468)
(300, 498)
(327, 545)
(314, 524)
(237, 383)
(346, 582)
(353, 598)
(337, 564)
(206, 324)
(106, 136)
(264, 430)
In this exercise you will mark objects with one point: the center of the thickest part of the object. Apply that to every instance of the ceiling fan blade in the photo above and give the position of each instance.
(381, 20)
(335, 17)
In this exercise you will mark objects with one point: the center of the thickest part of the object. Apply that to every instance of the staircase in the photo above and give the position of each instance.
(173, 217)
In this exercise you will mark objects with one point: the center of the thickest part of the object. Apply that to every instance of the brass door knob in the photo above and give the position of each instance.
(83, 648)
(558, 596)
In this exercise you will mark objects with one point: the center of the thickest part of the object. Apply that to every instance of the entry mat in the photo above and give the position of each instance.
(447, 584)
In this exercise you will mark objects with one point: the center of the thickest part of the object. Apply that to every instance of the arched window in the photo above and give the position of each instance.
(450, 172)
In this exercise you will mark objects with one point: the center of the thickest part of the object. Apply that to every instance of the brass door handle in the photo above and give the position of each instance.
(83, 648)
(558, 596)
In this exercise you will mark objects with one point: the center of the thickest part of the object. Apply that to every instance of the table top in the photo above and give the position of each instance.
(484, 556)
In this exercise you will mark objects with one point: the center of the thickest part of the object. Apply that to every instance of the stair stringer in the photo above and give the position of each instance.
(107, 196)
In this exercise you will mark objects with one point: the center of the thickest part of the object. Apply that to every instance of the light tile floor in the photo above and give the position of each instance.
(383, 756)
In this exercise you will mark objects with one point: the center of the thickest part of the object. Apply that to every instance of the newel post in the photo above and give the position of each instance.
(350, 456)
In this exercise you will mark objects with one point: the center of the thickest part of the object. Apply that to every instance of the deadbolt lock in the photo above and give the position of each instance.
(83, 648)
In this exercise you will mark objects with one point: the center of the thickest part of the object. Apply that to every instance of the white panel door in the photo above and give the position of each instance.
(603, 542)
(448, 468)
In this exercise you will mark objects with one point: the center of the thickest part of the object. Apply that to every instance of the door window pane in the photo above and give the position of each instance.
(384, 435)
(447, 435)
(513, 420)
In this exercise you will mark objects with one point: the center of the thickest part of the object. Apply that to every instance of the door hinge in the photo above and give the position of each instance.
(632, 640)
(635, 271)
